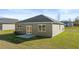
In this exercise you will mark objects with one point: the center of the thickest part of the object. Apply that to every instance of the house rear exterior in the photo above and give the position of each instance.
(40, 26)
(7, 23)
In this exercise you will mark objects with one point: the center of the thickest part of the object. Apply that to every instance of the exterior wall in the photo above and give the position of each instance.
(8, 26)
(35, 30)
(56, 29)
(51, 29)
(48, 32)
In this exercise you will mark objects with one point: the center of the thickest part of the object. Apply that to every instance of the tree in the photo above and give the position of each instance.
(76, 22)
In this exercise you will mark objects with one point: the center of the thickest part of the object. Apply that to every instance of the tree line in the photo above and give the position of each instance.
(75, 21)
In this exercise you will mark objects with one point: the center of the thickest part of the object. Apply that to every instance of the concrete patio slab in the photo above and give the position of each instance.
(26, 36)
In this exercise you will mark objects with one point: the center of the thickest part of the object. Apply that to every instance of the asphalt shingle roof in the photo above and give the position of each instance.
(41, 18)
(8, 20)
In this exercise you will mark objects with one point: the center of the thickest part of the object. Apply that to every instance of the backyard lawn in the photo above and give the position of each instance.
(66, 40)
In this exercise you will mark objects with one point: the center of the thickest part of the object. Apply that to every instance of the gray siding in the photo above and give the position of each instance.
(51, 29)
(35, 31)
(48, 32)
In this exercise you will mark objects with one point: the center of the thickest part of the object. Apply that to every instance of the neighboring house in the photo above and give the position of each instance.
(40, 25)
(7, 23)
(68, 23)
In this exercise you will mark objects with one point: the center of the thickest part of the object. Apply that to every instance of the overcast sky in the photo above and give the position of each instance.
(22, 14)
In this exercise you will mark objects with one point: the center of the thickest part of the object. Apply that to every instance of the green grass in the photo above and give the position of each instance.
(6, 32)
(68, 39)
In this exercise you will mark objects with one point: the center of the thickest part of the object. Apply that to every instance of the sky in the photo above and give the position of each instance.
(21, 14)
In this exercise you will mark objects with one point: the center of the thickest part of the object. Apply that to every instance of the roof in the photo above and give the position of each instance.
(8, 20)
(41, 18)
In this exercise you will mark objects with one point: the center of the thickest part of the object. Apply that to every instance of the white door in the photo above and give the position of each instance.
(28, 29)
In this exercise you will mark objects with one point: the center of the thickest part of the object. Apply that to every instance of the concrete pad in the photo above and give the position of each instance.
(26, 36)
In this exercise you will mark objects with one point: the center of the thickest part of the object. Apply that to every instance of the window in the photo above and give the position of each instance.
(42, 28)
(19, 27)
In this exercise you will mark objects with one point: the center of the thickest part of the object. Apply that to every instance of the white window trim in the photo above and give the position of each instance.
(42, 25)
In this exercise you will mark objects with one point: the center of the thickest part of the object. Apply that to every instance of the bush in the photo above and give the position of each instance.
(17, 33)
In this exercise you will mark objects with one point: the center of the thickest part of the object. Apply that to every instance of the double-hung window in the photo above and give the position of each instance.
(42, 27)
(19, 27)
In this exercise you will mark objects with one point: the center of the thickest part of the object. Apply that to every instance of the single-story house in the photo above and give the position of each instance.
(7, 23)
(68, 23)
(40, 25)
